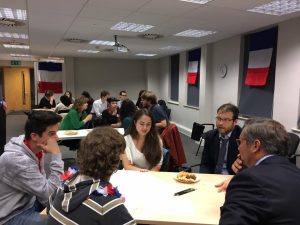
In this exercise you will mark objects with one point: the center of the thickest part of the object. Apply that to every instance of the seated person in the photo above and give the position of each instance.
(143, 146)
(98, 107)
(76, 119)
(70, 96)
(149, 101)
(139, 103)
(90, 101)
(220, 148)
(64, 106)
(111, 116)
(48, 101)
(24, 188)
(127, 111)
(88, 197)
(267, 192)
(122, 97)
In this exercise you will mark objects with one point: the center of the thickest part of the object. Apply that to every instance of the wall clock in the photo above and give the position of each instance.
(223, 70)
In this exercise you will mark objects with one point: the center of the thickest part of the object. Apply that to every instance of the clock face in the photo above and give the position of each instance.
(223, 70)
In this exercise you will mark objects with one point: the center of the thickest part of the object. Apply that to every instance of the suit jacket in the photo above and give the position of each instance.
(212, 148)
(264, 194)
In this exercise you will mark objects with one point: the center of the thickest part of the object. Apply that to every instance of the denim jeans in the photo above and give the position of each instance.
(30, 216)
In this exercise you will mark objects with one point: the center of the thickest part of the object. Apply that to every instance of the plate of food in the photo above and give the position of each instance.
(70, 132)
(188, 178)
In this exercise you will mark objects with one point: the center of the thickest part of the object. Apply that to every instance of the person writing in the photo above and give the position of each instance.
(143, 146)
(88, 197)
(267, 191)
(24, 188)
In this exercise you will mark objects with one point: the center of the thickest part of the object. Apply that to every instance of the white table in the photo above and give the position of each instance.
(150, 198)
(80, 134)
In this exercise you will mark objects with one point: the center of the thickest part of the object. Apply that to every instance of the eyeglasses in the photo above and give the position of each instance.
(219, 119)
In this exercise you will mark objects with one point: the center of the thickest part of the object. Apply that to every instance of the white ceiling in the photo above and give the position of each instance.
(52, 21)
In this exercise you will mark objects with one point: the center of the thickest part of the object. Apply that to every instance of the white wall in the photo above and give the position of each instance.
(113, 75)
(287, 82)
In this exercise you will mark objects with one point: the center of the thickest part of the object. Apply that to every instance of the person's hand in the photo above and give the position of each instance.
(51, 146)
(88, 118)
(237, 164)
(223, 185)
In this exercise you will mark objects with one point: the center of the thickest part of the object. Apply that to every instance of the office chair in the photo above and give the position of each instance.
(198, 132)
(166, 158)
(293, 147)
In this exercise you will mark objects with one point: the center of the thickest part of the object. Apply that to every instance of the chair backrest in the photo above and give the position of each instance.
(197, 131)
(166, 158)
(168, 112)
(294, 144)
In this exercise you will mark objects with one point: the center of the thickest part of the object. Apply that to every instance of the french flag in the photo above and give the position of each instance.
(193, 67)
(260, 54)
(49, 77)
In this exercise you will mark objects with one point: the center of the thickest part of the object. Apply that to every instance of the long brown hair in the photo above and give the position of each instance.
(151, 148)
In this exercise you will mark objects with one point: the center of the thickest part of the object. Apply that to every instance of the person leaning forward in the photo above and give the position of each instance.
(220, 148)
(267, 192)
(24, 188)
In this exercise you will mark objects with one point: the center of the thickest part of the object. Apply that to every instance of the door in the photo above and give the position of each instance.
(17, 88)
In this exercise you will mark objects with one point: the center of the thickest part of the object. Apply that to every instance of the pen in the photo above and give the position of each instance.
(184, 191)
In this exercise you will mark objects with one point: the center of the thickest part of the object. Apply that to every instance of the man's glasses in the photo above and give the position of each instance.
(219, 119)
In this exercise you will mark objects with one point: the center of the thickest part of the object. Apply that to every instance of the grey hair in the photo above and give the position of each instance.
(272, 135)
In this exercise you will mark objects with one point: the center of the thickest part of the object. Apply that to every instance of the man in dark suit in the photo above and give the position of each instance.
(220, 148)
(267, 192)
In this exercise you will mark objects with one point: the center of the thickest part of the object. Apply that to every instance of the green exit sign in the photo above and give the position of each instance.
(15, 62)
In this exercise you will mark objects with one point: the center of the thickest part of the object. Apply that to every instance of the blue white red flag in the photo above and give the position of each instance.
(49, 77)
(193, 67)
(260, 54)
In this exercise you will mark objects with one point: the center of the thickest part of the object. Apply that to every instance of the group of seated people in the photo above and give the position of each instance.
(264, 189)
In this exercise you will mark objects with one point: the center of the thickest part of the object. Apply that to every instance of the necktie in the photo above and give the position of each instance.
(222, 152)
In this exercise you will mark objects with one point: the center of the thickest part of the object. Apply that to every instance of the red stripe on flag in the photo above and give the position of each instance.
(192, 78)
(56, 87)
(257, 76)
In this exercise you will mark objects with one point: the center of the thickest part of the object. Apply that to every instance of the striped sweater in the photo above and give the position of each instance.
(76, 204)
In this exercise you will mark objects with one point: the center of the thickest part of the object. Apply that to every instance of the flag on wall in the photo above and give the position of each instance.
(260, 53)
(193, 67)
(49, 77)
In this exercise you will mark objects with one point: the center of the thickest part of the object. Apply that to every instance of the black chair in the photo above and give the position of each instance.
(166, 158)
(293, 147)
(198, 132)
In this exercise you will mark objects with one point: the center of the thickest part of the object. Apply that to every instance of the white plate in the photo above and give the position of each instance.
(189, 181)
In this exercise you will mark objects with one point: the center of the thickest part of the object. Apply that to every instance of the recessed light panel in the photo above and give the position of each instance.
(197, 1)
(278, 8)
(16, 46)
(171, 48)
(18, 14)
(20, 55)
(145, 54)
(88, 51)
(195, 33)
(100, 42)
(132, 27)
(13, 35)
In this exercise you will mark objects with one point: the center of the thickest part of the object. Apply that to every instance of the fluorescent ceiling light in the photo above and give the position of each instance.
(278, 8)
(18, 14)
(145, 54)
(132, 27)
(16, 46)
(197, 1)
(100, 42)
(172, 48)
(88, 51)
(195, 33)
(13, 35)
(20, 55)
